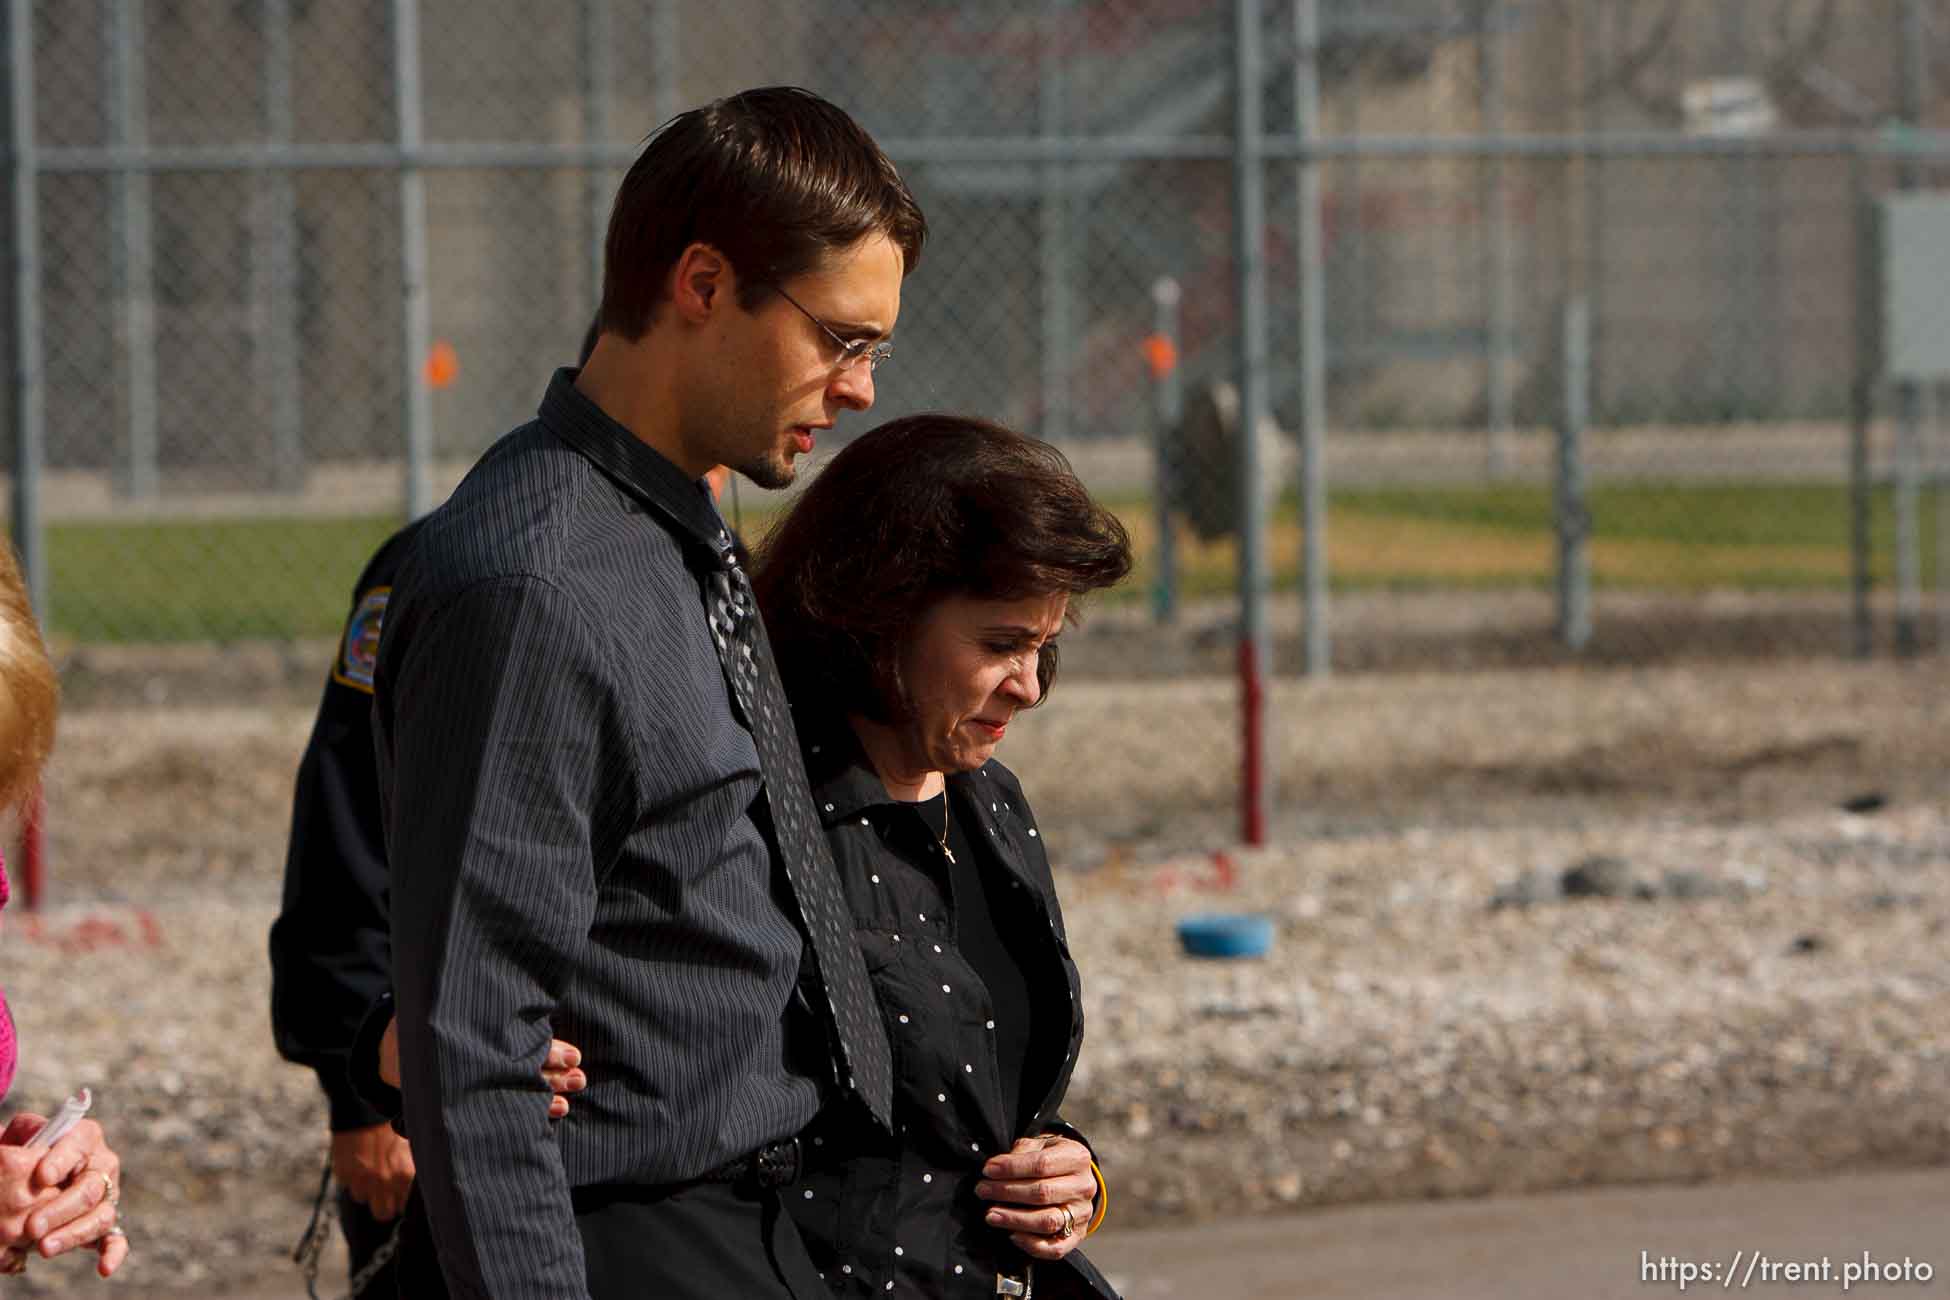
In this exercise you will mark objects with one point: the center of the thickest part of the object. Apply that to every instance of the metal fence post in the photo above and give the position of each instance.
(1313, 342)
(597, 35)
(274, 264)
(667, 91)
(1908, 494)
(135, 270)
(1729, 345)
(1496, 261)
(1940, 480)
(417, 316)
(30, 409)
(1168, 403)
(1596, 55)
(1573, 514)
(1249, 214)
(1909, 398)
(1862, 406)
(1055, 241)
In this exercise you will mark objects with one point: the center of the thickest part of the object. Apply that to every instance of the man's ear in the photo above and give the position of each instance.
(701, 282)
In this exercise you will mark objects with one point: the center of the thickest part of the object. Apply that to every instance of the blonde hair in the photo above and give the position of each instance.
(29, 690)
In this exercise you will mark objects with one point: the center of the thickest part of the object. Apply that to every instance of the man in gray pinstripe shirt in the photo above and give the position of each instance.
(569, 798)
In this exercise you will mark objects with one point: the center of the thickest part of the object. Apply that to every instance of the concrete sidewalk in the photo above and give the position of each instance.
(1605, 1244)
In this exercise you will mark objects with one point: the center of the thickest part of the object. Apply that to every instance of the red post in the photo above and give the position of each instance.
(1252, 776)
(33, 861)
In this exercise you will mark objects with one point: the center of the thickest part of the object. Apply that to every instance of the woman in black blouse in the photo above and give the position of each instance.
(914, 594)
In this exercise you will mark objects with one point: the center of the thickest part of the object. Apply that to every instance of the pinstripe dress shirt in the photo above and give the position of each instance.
(570, 821)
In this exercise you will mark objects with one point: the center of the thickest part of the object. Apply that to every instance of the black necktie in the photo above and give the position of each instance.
(866, 1062)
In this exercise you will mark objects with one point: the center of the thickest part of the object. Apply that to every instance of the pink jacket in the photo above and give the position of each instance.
(6, 1017)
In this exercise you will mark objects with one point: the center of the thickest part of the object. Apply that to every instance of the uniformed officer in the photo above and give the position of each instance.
(330, 947)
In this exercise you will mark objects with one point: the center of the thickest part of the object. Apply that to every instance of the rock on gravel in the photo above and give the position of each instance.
(1403, 1039)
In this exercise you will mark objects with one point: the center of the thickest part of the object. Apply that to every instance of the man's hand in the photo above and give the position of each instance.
(375, 1165)
(560, 1071)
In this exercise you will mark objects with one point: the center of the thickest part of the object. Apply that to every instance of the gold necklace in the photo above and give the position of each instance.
(945, 850)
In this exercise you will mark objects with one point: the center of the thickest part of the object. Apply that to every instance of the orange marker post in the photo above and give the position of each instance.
(1161, 354)
(1160, 349)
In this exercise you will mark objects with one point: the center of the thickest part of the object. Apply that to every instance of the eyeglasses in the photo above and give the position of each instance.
(850, 351)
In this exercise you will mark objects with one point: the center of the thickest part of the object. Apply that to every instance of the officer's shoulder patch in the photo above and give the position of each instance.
(359, 648)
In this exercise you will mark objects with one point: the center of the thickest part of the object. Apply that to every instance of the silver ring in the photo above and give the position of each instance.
(115, 1231)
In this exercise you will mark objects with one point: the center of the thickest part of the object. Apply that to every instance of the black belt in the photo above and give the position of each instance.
(773, 1165)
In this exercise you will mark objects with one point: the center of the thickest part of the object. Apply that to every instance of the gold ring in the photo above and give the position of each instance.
(1069, 1223)
(108, 1186)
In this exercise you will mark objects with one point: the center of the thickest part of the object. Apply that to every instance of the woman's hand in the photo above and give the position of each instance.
(562, 1075)
(20, 1193)
(61, 1198)
(559, 1069)
(1043, 1194)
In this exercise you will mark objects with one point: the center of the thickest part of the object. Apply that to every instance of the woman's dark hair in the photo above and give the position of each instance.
(775, 179)
(912, 512)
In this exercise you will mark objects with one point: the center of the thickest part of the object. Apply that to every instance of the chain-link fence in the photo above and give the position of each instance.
(281, 268)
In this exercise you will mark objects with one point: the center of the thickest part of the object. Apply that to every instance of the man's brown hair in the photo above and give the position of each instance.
(29, 690)
(910, 513)
(775, 179)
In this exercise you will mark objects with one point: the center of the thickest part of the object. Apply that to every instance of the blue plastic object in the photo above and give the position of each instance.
(1226, 934)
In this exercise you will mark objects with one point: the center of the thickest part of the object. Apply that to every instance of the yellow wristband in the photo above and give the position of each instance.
(1103, 1200)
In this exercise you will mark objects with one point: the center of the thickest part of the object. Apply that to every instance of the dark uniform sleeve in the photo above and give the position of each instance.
(330, 946)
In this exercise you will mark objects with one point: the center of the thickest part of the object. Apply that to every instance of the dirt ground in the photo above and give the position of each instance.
(1454, 751)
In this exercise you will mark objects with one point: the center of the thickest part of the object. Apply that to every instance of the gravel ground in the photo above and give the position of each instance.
(1877, 1233)
(1757, 985)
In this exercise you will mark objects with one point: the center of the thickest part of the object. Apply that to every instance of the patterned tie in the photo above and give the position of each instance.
(866, 1064)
